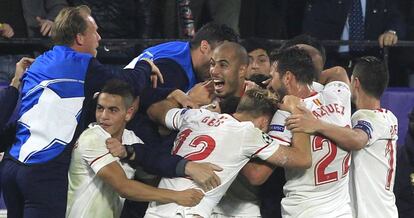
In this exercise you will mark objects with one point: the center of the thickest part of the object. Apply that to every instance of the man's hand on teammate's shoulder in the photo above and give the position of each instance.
(203, 174)
(289, 103)
(116, 148)
(302, 122)
(189, 197)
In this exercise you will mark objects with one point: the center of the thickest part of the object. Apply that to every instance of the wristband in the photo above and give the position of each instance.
(130, 151)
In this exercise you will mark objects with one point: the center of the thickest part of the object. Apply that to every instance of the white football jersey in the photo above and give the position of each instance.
(373, 167)
(89, 195)
(322, 190)
(240, 200)
(205, 136)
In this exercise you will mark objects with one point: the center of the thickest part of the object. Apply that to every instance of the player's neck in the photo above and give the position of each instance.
(257, 122)
(240, 116)
(367, 102)
(118, 135)
(196, 59)
(301, 91)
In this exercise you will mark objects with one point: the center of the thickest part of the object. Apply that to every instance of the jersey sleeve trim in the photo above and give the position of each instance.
(98, 158)
(171, 118)
(260, 149)
(174, 122)
(278, 138)
(337, 83)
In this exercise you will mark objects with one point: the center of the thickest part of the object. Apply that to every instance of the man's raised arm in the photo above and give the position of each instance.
(333, 74)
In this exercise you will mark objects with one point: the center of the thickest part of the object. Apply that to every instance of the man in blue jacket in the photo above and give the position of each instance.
(56, 89)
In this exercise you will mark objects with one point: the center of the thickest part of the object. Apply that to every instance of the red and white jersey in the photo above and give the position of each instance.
(205, 136)
(322, 190)
(88, 194)
(373, 167)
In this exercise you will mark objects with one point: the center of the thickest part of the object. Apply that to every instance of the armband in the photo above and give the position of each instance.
(364, 126)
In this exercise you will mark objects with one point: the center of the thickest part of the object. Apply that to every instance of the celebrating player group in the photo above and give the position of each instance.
(205, 128)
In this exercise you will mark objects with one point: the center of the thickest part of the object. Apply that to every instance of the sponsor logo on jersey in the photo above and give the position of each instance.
(278, 128)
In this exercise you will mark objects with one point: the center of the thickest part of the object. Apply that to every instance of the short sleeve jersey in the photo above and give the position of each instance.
(88, 195)
(373, 167)
(220, 139)
(322, 190)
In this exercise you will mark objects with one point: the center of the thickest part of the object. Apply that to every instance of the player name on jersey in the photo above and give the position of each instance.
(328, 109)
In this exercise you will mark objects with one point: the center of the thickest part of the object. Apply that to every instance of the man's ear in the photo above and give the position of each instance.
(243, 71)
(205, 47)
(288, 77)
(79, 39)
(357, 83)
(132, 110)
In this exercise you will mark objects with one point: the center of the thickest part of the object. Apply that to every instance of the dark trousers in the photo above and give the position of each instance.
(38, 190)
(271, 194)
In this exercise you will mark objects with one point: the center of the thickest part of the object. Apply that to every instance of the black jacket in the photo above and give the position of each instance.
(325, 19)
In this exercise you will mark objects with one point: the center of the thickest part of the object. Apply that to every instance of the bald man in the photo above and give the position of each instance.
(228, 67)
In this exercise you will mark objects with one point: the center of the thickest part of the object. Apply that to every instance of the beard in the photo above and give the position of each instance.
(282, 92)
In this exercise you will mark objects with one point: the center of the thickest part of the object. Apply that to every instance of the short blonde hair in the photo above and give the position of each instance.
(258, 102)
(69, 22)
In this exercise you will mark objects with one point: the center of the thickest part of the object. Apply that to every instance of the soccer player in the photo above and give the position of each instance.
(321, 190)
(226, 140)
(56, 90)
(98, 180)
(271, 191)
(372, 139)
(228, 67)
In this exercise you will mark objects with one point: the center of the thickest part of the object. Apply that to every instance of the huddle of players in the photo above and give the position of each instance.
(317, 186)
(344, 168)
(362, 146)
(320, 188)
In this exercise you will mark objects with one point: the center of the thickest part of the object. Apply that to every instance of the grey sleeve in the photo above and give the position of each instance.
(53, 8)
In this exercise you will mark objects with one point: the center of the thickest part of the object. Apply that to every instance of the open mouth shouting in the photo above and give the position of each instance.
(218, 85)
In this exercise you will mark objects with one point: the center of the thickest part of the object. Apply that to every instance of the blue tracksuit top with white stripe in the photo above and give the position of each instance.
(177, 51)
(52, 98)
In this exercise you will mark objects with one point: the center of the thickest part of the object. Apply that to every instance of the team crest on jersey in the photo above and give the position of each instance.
(278, 128)
(267, 138)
